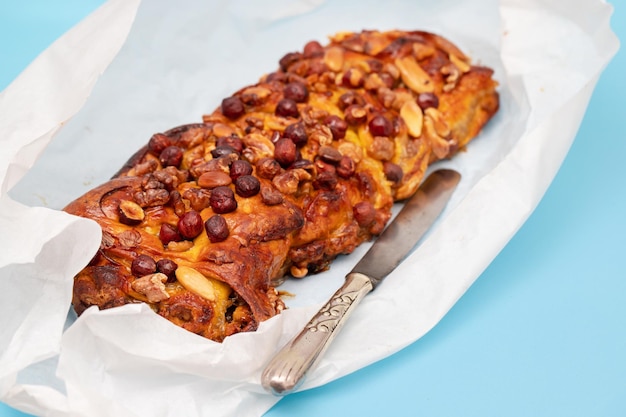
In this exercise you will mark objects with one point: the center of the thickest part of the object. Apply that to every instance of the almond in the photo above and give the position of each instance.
(414, 76)
(213, 179)
(195, 282)
(333, 58)
(439, 122)
(413, 117)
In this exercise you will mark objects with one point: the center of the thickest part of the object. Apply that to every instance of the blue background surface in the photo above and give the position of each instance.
(542, 332)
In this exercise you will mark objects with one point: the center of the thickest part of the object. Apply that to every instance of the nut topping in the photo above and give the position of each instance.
(459, 63)
(152, 197)
(353, 78)
(158, 142)
(287, 108)
(296, 91)
(285, 152)
(195, 282)
(222, 200)
(284, 175)
(182, 246)
(440, 146)
(213, 179)
(288, 181)
(355, 115)
(337, 126)
(414, 76)
(143, 265)
(452, 74)
(346, 167)
(255, 95)
(240, 168)
(232, 107)
(439, 122)
(364, 213)
(171, 156)
(380, 126)
(393, 172)
(169, 233)
(333, 58)
(381, 148)
(167, 267)
(216, 228)
(426, 100)
(298, 271)
(267, 168)
(270, 196)
(413, 117)
(329, 154)
(423, 51)
(297, 133)
(152, 286)
(247, 186)
(130, 213)
(190, 224)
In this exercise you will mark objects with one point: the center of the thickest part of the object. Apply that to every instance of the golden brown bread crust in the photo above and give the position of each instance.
(283, 177)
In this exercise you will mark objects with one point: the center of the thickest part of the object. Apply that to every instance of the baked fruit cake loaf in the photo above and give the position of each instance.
(205, 220)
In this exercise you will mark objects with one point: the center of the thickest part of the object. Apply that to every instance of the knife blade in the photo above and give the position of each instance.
(287, 369)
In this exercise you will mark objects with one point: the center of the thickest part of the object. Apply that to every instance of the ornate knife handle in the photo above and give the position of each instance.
(287, 369)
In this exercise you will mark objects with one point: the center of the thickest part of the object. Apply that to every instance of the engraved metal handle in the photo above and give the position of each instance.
(287, 369)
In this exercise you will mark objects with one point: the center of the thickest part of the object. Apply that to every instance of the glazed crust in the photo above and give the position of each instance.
(283, 177)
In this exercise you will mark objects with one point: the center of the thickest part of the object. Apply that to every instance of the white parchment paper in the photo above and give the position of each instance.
(130, 70)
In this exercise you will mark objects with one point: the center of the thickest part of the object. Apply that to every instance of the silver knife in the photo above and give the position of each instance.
(287, 369)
